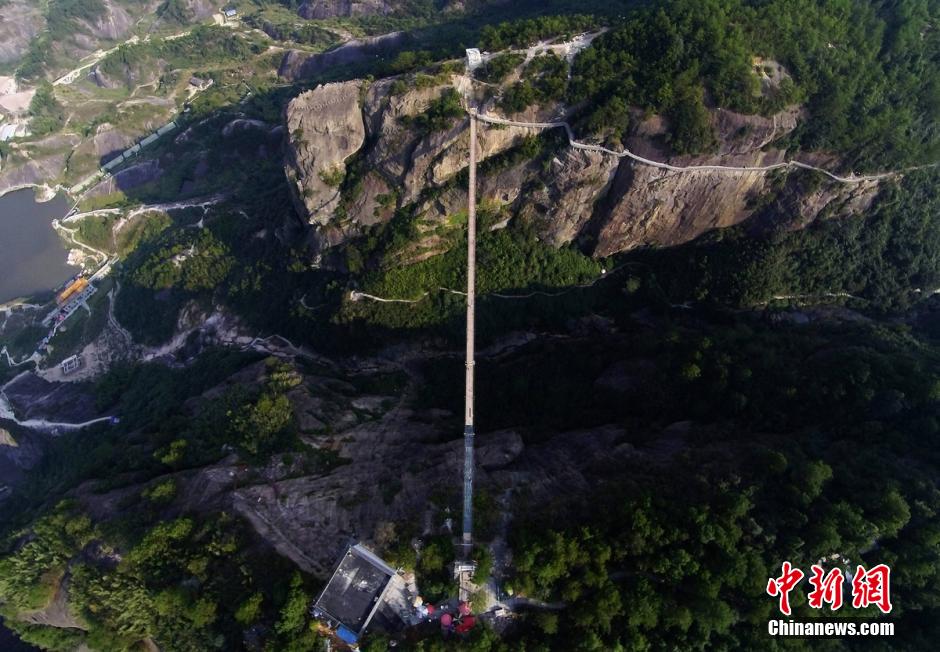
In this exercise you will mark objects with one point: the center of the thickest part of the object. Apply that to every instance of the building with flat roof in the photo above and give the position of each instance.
(200, 83)
(7, 132)
(70, 364)
(354, 593)
(113, 163)
(474, 59)
(167, 128)
(72, 289)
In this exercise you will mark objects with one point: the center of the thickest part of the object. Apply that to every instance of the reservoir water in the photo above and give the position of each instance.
(32, 257)
(9, 642)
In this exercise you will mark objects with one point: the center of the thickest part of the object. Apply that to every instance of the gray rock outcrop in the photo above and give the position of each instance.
(318, 9)
(299, 64)
(20, 22)
(326, 127)
(606, 204)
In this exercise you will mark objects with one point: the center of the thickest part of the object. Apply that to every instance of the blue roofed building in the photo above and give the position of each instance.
(355, 593)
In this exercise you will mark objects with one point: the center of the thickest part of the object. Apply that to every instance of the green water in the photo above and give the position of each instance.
(32, 256)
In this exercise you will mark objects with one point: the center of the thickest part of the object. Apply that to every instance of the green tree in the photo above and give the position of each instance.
(293, 615)
(249, 610)
(257, 426)
(47, 115)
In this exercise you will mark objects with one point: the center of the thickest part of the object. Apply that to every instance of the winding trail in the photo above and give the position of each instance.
(201, 202)
(112, 319)
(7, 414)
(57, 225)
(851, 179)
(30, 358)
(355, 295)
(95, 57)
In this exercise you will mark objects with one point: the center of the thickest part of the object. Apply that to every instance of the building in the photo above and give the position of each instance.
(354, 594)
(113, 163)
(167, 128)
(71, 290)
(474, 59)
(199, 83)
(230, 14)
(70, 364)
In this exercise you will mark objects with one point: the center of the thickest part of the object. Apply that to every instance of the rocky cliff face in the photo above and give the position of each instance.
(18, 453)
(344, 8)
(114, 24)
(299, 64)
(327, 126)
(397, 162)
(606, 204)
(20, 22)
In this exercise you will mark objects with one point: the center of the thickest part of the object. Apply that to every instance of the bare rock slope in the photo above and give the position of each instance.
(610, 204)
(20, 22)
(343, 8)
(375, 465)
(328, 128)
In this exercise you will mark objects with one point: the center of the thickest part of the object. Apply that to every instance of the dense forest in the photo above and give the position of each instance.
(46, 114)
(742, 429)
(761, 428)
(866, 71)
(886, 260)
(754, 443)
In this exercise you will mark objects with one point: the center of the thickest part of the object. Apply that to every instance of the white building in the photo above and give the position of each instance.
(70, 364)
(474, 59)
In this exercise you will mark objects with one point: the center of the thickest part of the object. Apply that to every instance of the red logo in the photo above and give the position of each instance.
(872, 587)
(827, 588)
(869, 587)
(781, 586)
